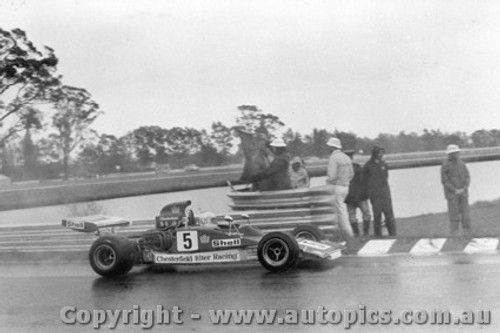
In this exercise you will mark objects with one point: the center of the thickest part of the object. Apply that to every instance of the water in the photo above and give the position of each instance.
(414, 191)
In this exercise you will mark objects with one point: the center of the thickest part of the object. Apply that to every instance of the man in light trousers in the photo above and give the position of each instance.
(339, 175)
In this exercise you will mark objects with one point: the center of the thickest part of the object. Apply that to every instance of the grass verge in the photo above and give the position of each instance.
(485, 221)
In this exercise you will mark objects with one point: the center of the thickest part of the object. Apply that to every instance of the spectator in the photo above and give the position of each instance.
(455, 178)
(276, 174)
(376, 176)
(339, 175)
(257, 158)
(299, 178)
(357, 198)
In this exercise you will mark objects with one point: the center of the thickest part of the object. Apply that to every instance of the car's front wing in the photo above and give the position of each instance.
(322, 250)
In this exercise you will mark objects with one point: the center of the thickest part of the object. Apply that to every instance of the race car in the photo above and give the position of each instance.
(180, 238)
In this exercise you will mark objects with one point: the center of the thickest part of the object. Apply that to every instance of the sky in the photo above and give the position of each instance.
(361, 66)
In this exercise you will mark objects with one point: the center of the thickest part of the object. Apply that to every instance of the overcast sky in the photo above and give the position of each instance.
(365, 66)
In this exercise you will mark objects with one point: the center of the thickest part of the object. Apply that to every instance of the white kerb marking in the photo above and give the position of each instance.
(427, 246)
(376, 247)
(481, 245)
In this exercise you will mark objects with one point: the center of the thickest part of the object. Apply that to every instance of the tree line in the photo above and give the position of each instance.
(35, 97)
(46, 128)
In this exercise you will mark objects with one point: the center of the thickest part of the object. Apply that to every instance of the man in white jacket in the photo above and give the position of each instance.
(339, 175)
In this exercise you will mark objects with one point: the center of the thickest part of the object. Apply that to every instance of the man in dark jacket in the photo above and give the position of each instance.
(376, 176)
(276, 174)
(357, 198)
(455, 178)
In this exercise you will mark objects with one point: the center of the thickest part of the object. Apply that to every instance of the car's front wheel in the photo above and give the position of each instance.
(112, 255)
(278, 252)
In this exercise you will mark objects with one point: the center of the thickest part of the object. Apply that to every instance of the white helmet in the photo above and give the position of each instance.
(452, 149)
(335, 143)
(278, 143)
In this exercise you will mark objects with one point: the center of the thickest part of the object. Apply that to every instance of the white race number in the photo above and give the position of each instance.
(187, 240)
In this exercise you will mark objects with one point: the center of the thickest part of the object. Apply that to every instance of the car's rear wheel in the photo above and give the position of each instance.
(310, 232)
(112, 255)
(278, 252)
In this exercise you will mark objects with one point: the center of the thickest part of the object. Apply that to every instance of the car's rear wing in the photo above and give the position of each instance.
(95, 222)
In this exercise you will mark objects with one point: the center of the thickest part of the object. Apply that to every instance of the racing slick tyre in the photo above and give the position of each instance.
(278, 251)
(112, 255)
(310, 232)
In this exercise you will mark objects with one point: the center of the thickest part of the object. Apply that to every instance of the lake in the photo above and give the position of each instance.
(414, 191)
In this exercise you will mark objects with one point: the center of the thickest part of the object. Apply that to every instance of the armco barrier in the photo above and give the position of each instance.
(284, 210)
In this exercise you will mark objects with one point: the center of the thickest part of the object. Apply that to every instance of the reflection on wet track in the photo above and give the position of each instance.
(37, 293)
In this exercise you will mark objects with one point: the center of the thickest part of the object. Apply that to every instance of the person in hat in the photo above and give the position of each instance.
(455, 178)
(276, 174)
(357, 198)
(376, 176)
(339, 175)
(299, 178)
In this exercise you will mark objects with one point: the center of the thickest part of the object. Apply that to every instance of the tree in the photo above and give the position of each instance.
(253, 120)
(433, 140)
(386, 141)
(208, 154)
(454, 139)
(365, 145)
(184, 141)
(222, 139)
(408, 142)
(26, 78)
(75, 112)
(149, 144)
(29, 119)
(104, 156)
(483, 138)
(317, 142)
(496, 136)
(156, 144)
(294, 144)
(348, 139)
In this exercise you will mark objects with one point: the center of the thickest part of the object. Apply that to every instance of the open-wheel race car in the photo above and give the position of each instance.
(180, 238)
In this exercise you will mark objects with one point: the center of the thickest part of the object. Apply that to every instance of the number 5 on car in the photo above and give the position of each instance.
(187, 240)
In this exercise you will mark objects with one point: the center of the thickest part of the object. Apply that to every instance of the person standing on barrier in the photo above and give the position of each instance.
(276, 174)
(376, 176)
(357, 198)
(339, 175)
(455, 178)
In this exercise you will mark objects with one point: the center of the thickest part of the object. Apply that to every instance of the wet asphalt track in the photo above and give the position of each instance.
(33, 295)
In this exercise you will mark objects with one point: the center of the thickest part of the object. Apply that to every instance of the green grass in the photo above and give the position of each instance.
(485, 221)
